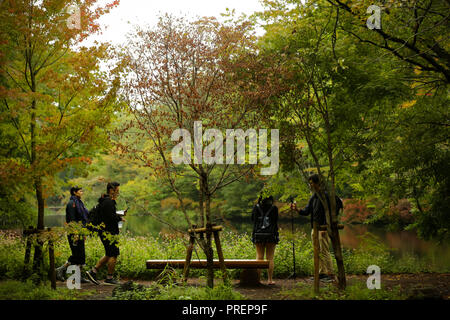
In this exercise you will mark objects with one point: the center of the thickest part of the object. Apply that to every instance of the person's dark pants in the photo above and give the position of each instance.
(78, 256)
(110, 244)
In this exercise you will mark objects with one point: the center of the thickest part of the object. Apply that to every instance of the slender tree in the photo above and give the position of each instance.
(193, 81)
(52, 92)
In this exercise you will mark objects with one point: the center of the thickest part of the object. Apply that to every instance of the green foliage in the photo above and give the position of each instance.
(12, 252)
(369, 252)
(170, 286)
(135, 250)
(15, 213)
(16, 290)
(238, 198)
(388, 121)
(178, 291)
(354, 291)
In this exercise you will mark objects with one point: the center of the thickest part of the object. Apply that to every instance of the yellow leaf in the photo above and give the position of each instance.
(408, 104)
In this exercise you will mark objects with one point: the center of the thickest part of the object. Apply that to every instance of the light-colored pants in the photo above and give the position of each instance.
(325, 263)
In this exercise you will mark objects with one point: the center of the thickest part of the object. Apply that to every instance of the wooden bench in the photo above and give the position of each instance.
(201, 264)
(249, 276)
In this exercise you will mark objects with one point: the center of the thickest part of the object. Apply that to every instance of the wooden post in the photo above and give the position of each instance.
(209, 257)
(316, 257)
(188, 256)
(27, 251)
(27, 234)
(220, 254)
(51, 262)
(38, 256)
(51, 259)
(208, 230)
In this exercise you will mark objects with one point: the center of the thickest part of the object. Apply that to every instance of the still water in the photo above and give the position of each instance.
(402, 242)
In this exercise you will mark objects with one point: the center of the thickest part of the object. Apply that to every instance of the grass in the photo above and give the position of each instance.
(170, 286)
(179, 292)
(18, 290)
(134, 251)
(355, 291)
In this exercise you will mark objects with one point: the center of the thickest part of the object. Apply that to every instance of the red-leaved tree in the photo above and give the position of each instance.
(181, 79)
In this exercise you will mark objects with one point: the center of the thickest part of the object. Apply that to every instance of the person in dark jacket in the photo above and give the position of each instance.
(75, 212)
(316, 210)
(108, 234)
(265, 244)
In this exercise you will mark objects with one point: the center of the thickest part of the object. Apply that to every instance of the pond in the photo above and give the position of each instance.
(402, 242)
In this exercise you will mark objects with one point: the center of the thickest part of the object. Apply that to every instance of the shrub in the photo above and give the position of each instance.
(354, 291)
(355, 211)
(16, 290)
(135, 250)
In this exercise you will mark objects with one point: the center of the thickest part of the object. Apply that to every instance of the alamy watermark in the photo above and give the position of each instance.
(74, 281)
(374, 280)
(74, 20)
(374, 21)
(214, 151)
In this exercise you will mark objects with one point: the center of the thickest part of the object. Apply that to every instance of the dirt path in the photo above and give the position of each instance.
(431, 285)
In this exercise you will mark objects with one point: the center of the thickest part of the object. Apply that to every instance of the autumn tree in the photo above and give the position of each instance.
(55, 101)
(190, 82)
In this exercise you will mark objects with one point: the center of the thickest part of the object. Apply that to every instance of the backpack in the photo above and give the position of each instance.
(263, 228)
(339, 205)
(94, 217)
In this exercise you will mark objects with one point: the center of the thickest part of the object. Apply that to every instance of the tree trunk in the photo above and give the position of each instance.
(41, 203)
(336, 240)
(332, 220)
(201, 204)
(208, 249)
(316, 257)
(38, 258)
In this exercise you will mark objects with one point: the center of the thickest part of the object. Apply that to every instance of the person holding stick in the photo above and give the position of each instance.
(316, 210)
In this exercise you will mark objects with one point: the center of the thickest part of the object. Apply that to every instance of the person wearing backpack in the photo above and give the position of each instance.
(265, 234)
(75, 212)
(316, 210)
(107, 215)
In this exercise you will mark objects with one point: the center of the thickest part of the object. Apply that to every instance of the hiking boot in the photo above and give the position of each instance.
(326, 278)
(321, 276)
(112, 282)
(60, 274)
(92, 276)
(84, 280)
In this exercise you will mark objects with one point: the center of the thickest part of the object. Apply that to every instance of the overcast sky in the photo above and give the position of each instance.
(122, 18)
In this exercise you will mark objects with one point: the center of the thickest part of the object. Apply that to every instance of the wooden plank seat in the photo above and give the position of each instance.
(201, 264)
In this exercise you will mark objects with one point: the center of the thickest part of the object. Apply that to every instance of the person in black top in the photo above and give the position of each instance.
(316, 210)
(265, 234)
(108, 234)
(75, 212)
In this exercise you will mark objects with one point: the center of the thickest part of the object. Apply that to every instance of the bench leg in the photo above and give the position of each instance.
(51, 258)
(249, 277)
(27, 258)
(220, 254)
